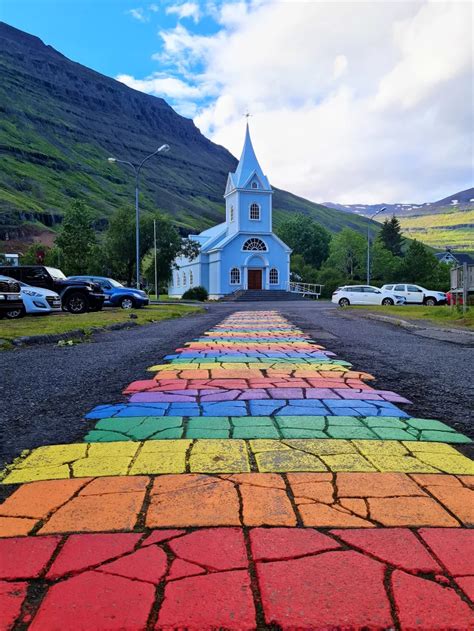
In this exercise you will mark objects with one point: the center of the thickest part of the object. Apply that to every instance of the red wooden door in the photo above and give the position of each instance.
(255, 279)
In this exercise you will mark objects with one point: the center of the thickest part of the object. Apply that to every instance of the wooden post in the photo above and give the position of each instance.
(465, 287)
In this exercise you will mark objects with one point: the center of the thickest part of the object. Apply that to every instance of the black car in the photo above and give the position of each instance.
(77, 296)
(10, 298)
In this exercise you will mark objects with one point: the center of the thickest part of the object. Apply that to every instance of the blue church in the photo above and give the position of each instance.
(243, 252)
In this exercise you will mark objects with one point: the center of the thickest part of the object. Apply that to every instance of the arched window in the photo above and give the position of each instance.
(190, 278)
(274, 276)
(177, 279)
(184, 279)
(231, 213)
(254, 212)
(235, 276)
(254, 184)
(254, 245)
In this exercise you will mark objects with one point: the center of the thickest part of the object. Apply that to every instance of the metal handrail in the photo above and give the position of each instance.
(311, 289)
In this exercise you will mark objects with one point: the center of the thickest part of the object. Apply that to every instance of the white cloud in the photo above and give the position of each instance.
(162, 85)
(185, 10)
(138, 14)
(154, 8)
(354, 102)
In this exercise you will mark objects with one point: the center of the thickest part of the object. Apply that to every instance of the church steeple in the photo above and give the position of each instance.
(248, 169)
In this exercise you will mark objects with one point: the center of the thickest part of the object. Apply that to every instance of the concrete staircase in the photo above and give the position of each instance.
(261, 295)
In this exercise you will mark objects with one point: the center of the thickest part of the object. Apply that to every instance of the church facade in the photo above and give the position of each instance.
(243, 252)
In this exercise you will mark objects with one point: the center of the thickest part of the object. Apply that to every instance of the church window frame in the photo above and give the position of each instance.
(184, 279)
(254, 211)
(191, 280)
(274, 276)
(255, 185)
(234, 276)
(177, 279)
(254, 244)
(231, 213)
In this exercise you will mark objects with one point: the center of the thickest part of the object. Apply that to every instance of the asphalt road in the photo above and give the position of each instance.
(46, 390)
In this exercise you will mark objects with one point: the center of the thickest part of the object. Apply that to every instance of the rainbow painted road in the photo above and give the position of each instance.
(255, 481)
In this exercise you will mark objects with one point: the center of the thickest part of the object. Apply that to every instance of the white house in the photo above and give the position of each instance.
(242, 252)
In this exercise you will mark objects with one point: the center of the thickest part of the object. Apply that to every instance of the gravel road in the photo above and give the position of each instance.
(46, 390)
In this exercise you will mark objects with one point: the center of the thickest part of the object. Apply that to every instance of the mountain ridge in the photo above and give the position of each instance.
(61, 120)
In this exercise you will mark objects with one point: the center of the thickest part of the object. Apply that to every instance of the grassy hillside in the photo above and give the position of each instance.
(455, 229)
(59, 121)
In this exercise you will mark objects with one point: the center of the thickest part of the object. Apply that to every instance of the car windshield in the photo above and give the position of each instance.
(114, 283)
(55, 273)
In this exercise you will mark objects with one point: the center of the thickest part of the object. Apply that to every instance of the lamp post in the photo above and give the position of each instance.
(368, 242)
(136, 169)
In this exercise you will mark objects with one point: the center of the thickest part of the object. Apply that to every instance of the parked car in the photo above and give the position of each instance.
(36, 300)
(365, 295)
(76, 296)
(116, 295)
(10, 297)
(415, 294)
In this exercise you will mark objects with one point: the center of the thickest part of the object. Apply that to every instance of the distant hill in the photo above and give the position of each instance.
(59, 121)
(448, 222)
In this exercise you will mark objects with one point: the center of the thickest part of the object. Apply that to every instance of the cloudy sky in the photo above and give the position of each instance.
(354, 102)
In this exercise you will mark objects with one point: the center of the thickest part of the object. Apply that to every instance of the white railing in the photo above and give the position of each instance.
(307, 289)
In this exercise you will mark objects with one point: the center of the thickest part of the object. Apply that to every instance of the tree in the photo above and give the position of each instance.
(41, 254)
(76, 239)
(422, 267)
(390, 236)
(384, 265)
(306, 237)
(348, 254)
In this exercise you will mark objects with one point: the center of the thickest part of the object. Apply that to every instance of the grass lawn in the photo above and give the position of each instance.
(436, 315)
(64, 322)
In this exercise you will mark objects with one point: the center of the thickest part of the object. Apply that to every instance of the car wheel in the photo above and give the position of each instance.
(14, 314)
(77, 303)
(430, 302)
(344, 302)
(387, 302)
(127, 303)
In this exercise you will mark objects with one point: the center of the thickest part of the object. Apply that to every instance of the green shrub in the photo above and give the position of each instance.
(195, 293)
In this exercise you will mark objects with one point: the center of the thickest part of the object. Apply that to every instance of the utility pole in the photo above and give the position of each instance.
(156, 269)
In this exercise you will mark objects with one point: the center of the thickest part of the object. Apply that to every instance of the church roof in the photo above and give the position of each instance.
(248, 167)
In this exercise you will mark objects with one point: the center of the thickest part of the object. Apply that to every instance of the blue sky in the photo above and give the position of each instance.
(352, 102)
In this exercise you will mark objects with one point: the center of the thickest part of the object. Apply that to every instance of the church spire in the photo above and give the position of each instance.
(248, 166)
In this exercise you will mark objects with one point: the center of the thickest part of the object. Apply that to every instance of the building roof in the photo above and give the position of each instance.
(460, 257)
(248, 167)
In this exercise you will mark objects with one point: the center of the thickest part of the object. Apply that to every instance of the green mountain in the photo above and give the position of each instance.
(59, 121)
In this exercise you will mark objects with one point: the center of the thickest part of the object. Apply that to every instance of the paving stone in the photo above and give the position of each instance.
(452, 548)
(459, 500)
(228, 598)
(25, 557)
(83, 551)
(193, 500)
(298, 593)
(94, 600)
(214, 549)
(350, 432)
(303, 422)
(219, 456)
(149, 564)
(397, 546)
(12, 595)
(424, 604)
(287, 543)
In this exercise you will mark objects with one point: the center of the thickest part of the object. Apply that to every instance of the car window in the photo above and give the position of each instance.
(56, 273)
(413, 288)
(399, 287)
(356, 289)
(388, 287)
(104, 284)
(32, 274)
(370, 290)
(115, 283)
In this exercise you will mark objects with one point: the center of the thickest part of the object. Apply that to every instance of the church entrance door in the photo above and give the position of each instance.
(255, 279)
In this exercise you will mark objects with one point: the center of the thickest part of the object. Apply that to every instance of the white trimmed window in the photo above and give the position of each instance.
(184, 279)
(235, 276)
(190, 278)
(231, 213)
(254, 245)
(274, 276)
(254, 212)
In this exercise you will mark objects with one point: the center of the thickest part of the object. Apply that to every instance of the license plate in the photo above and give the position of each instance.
(14, 297)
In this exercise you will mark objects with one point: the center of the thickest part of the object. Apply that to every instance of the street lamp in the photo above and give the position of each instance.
(368, 242)
(136, 169)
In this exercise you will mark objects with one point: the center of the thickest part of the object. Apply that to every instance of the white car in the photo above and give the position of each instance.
(415, 294)
(365, 295)
(36, 300)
